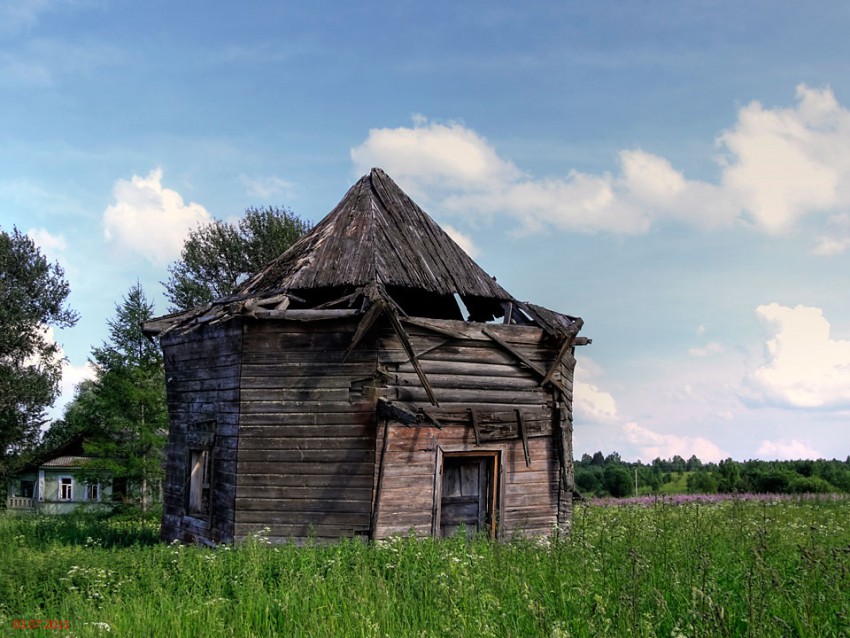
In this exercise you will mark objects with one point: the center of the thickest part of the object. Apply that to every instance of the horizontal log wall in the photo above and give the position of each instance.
(467, 369)
(307, 431)
(202, 381)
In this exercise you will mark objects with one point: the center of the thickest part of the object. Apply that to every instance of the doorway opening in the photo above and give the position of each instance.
(468, 495)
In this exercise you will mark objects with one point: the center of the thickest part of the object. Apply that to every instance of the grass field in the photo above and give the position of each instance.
(731, 568)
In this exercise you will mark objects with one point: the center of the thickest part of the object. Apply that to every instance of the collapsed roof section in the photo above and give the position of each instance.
(376, 252)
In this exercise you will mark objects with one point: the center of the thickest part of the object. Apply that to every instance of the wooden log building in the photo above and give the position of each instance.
(340, 392)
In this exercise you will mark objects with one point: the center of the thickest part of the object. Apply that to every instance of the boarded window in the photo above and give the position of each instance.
(200, 470)
(66, 488)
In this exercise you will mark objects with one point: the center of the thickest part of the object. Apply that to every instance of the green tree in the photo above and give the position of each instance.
(33, 296)
(218, 256)
(125, 405)
(617, 480)
(730, 476)
(702, 482)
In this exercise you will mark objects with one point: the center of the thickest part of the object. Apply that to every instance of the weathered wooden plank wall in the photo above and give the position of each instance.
(307, 431)
(465, 373)
(202, 372)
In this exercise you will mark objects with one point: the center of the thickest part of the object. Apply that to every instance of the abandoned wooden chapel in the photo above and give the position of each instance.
(340, 392)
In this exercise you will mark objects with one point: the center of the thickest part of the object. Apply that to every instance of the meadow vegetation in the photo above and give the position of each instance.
(732, 567)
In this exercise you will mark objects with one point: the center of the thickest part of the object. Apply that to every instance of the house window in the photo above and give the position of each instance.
(200, 471)
(27, 489)
(92, 491)
(66, 488)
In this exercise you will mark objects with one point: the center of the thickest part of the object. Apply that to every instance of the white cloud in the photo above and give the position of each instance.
(149, 219)
(787, 450)
(448, 155)
(462, 240)
(779, 166)
(805, 367)
(50, 245)
(265, 187)
(790, 162)
(652, 444)
(72, 376)
(592, 405)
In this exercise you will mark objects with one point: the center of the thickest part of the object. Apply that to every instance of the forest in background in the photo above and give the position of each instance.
(600, 475)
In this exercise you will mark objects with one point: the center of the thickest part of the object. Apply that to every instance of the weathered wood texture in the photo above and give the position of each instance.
(306, 455)
(528, 504)
(467, 370)
(202, 383)
(310, 458)
(376, 234)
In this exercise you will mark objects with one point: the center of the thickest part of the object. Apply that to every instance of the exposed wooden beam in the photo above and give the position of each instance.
(566, 344)
(366, 322)
(475, 427)
(305, 315)
(392, 412)
(516, 353)
(520, 422)
(424, 323)
(405, 340)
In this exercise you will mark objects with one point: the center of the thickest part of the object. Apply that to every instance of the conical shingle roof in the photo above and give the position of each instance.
(376, 234)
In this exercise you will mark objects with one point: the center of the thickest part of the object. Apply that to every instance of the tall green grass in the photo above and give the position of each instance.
(726, 569)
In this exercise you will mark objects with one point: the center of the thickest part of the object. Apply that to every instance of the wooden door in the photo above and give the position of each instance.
(467, 494)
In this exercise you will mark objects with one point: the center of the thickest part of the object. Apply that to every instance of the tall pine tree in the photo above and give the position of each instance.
(125, 405)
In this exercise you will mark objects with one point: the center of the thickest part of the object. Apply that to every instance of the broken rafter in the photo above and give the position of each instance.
(566, 344)
(414, 360)
(366, 322)
(516, 353)
(523, 359)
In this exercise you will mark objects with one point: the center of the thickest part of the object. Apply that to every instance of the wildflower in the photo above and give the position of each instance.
(100, 625)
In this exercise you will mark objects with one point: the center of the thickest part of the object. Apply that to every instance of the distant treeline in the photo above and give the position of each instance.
(599, 475)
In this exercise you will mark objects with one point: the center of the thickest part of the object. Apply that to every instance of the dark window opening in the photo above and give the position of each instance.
(27, 489)
(200, 475)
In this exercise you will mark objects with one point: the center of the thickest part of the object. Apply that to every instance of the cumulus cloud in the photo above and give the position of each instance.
(462, 240)
(787, 450)
(149, 219)
(593, 405)
(777, 166)
(805, 367)
(790, 162)
(652, 444)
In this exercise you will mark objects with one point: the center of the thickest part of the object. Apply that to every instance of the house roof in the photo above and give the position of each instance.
(376, 235)
(375, 246)
(66, 461)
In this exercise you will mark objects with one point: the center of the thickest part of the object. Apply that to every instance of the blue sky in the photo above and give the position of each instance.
(678, 174)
